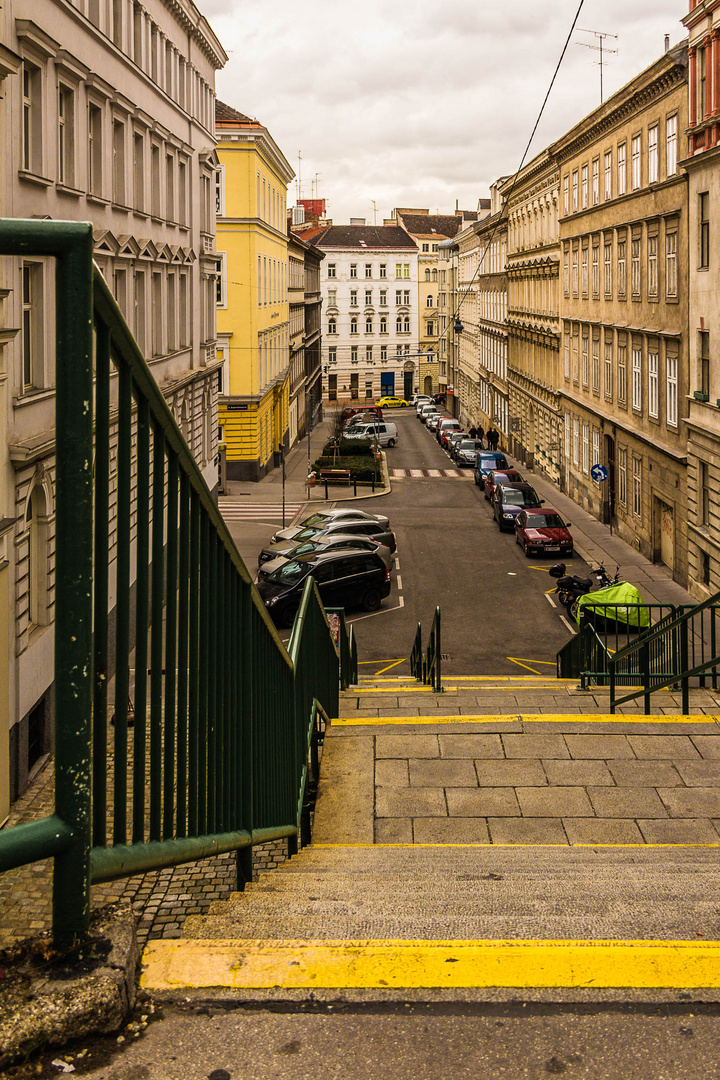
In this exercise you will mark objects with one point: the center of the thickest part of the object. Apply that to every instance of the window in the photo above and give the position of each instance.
(332, 325)
(426, 247)
(671, 264)
(430, 329)
(368, 270)
(383, 270)
(354, 325)
(406, 270)
(566, 445)
(608, 269)
(332, 297)
(622, 476)
(331, 270)
(566, 271)
(406, 324)
(575, 257)
(398, 270)
(406, 296)
(637, 486)
(704, 500)
(332, 354)
(368, 325)
(32, 327)
(31, 118)
(118, 162)
(354, 360)
(139, 171)
(608, 369)
(608, 174)
(596, 365)
(671, 145)
(94, 150)
(635, 267)
(585, 359)
(635, 168)
(704, 363)
(586, 448)
(566, 354)
(621, 279)
(621, 174)
(368, 388)
(398, 324)
(332, 387)
(66, 135)
(383, 354)
(36, 520)
(566, 195)
(596, 270)
(653, 154)
(671, 402)
(704, 218)
(427, 273)
(155, 178)
(575, 191)
(383, 324)
(353, 297)
(398, 297)
(584, 265)
(353, 270)
(652, 266)
(368, 297)
(429, 302)
(702, 82)
(637, 378)
(576, 442)
(584, 187)
(575, 362)
(596, 447)
(220, 281)
(653, 387)
(622, 374)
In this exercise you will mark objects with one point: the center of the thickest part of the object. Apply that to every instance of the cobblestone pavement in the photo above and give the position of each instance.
(161, 899)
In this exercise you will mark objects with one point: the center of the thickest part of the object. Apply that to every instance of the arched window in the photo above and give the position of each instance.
(434, 275)
(399, 324)
(406, 324)
(332, 326)
(354, 325)
(427, 273)
(429, 301)
(36, 524)
(383, 324)
(368, 326)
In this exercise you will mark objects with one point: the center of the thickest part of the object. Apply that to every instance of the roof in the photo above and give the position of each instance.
(431, 226)
(225, 114)
(365, 237)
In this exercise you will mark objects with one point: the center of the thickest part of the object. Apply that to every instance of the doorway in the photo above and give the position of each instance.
(665, 527)
(387, 384)
(427, 385)
(408, 384)
(608, 506)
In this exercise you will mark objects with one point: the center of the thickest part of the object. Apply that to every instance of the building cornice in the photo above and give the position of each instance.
(258, 139)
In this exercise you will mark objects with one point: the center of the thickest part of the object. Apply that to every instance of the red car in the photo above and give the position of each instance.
(500, 476)
(543, 531)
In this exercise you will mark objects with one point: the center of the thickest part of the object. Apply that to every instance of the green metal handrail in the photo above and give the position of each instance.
(584, 656)
(416, 655)
(648, 657)
(218, 749)
(432, 667)
(346, 646)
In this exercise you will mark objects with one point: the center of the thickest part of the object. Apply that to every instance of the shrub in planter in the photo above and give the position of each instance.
(361, 467)
(349, 448)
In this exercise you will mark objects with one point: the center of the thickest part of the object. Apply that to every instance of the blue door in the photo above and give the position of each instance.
(387, 383)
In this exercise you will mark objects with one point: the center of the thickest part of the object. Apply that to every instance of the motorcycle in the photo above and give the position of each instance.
(570, 587)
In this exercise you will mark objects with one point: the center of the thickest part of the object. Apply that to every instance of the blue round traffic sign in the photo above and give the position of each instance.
(599, 473)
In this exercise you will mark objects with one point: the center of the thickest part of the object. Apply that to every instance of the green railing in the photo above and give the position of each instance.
(218, 749)
(584, 656)
(427, 668)
(680, 636)
(346, 646)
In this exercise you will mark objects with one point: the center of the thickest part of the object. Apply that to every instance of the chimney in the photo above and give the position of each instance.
(667, 43)
(357, 220)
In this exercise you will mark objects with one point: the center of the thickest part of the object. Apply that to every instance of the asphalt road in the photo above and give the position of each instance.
(496, 616)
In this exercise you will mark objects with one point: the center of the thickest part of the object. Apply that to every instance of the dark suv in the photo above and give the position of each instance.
(344, 579)
(509, 499)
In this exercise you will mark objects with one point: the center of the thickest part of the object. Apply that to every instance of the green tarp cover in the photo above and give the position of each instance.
(622, 595)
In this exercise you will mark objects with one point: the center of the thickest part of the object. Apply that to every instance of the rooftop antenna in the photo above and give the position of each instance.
(299, 181)
(598, 48)
(374, 205)
(316, 185)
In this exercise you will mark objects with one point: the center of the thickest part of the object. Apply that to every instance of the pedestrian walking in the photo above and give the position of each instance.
(472, 432)
(479, 432)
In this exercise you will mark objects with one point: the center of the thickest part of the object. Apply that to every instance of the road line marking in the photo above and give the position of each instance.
(447, 689)
(398, 582)
(549, 599)
(572, 629)
(394, 664)
(402, 601)
(389, 661)
(434, 472)
(416, 472)
(380, 611)
(515, 718)
(406, 964)
(542, 569)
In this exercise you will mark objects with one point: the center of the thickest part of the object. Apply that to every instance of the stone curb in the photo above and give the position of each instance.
(78, 1002)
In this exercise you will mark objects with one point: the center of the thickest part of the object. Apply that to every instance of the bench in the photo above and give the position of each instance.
(335, 476)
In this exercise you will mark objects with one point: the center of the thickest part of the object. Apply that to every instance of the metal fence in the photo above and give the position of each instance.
(602, 632)
(218, 747)
(427, 667)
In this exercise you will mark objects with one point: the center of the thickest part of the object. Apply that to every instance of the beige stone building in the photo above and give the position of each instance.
(702, 164)
(623, 305)
(533, 328)
(106, 115)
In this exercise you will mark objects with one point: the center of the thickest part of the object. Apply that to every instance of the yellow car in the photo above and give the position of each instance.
(392, 402)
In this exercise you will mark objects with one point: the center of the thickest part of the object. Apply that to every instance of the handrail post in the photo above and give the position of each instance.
(611, 672)
(685, 681)
(245, 720)
(438, 658)
(645, 665)
(73, 601)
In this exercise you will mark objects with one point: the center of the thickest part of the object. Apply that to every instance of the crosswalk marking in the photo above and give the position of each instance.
(431, 474)
(235, 511)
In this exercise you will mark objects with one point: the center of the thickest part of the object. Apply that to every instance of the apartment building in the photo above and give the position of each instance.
(624, 373)
(305, 304)
(530, 202)
(252, 300)
(106, 115)
(428, 231)
(369, 285)
(702, 165)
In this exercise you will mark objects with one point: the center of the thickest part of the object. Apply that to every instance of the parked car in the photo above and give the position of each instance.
(344, 579)
(418, 399)
(393, 402)
(365, 410)
(326, 517)
(385, 433)
(425, 411)
(467, 450)
(433, 421)
(487, 460)
(448, 423)
(501, 476)
(327, 542)
(375, 530)
(510, 499)
(451, 439)
(543, 531)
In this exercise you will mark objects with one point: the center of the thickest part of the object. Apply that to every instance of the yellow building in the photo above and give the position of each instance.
(252, 294)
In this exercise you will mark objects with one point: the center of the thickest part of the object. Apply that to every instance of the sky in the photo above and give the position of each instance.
(423, 104)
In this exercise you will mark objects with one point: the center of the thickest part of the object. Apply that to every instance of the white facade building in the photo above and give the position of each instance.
(106, 115)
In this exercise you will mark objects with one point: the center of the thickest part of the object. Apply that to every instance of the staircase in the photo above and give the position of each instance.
(506, 837)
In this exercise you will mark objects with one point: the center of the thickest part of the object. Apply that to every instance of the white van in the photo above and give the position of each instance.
(385, 432)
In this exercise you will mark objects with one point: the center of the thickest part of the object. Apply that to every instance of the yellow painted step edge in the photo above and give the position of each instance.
(524, 718)
(255, 965)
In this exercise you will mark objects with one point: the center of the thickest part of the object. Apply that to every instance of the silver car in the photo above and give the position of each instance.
(326, 543)
(326, 517)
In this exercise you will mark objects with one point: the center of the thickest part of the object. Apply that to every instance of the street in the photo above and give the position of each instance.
(496, 616)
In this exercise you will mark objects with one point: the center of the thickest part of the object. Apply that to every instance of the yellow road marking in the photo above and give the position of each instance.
(394, 664)
(379, 661)
(525, 662)
(529, 718)
(542, 569)
(483, 678)
(419, 688)
(258, 964)
(564, 847)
